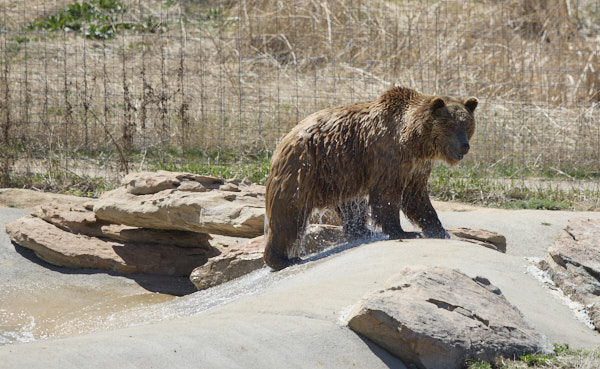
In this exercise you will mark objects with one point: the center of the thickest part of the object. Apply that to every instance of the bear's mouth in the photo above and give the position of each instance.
(456, 156)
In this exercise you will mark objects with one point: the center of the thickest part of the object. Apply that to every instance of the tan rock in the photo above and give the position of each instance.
(319, 237)
(82, 221)
(489, 239)
(143, 183)
(434, 317)
(219, 212)
(65, 249)
(30, 199)
(234, 262)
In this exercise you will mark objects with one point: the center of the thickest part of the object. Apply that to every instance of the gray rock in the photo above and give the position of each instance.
(573, 264)
(436, 317)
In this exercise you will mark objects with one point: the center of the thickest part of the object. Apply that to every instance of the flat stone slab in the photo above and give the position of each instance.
(30, 199)
(238, 214)
(144, 183)
(66, 249)
(485, 238)
(82, 221)
(436, 317)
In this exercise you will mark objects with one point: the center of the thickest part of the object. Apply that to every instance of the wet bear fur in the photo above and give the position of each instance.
(378, 152)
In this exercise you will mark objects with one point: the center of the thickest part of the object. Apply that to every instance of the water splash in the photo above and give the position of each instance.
(20, 331)
(579, 310)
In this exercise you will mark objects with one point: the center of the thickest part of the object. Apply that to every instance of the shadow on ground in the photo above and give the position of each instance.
(177, 286)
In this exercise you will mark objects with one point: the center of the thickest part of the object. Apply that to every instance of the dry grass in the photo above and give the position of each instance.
(239, 74)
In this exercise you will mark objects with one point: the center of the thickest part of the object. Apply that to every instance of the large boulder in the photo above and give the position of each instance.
(573, 264)
(66, 249)
(238, 214)
(435, 317)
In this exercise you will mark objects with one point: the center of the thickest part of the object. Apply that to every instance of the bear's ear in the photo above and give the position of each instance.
(471, 103)
(437, 103)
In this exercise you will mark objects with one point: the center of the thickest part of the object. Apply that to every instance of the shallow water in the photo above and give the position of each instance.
(23, 319)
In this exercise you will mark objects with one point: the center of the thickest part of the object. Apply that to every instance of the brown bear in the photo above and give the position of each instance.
(378, 152)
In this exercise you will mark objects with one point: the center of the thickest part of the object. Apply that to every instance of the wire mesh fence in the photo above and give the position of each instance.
(100, 87)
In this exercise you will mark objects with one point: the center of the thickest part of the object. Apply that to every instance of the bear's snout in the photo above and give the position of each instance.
(464, 148)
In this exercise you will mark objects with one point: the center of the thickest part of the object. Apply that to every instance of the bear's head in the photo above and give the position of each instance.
(452, 124)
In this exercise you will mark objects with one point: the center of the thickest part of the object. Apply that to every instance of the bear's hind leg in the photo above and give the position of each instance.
(283, 232)
(354, 216)
(276, 253)
(386, 214)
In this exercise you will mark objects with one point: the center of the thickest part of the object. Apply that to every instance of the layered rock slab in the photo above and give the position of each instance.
(238, 214)
(82, 221)
(485, 238)
(70, 250)
(435, 317)
(233, 262)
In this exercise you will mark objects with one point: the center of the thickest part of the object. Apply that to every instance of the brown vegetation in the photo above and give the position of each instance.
(240, 74)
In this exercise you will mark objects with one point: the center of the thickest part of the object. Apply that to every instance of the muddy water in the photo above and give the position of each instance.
(57, 312)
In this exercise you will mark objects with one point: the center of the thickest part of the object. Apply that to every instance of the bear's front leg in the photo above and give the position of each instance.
(419, 210)
(386, 214)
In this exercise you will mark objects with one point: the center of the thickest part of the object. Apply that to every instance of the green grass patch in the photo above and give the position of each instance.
(477, 185)
(478, 364)
(485, 186)
(95, 19)
(224, 163)
(535, 359)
